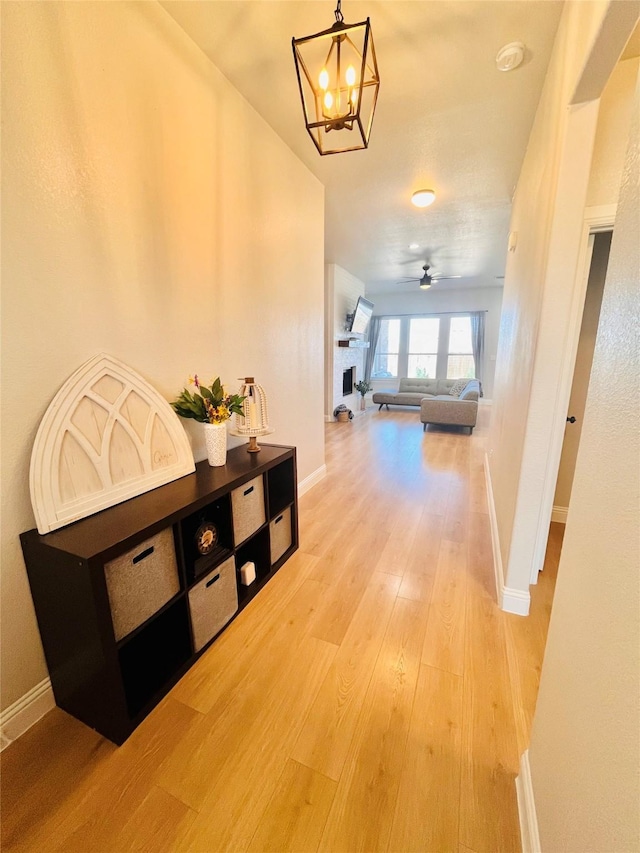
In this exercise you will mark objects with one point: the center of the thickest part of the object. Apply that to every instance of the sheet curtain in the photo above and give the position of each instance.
(477, 342)
(373, 337)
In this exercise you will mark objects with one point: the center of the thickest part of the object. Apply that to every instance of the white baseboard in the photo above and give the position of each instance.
(559, 513)
(312, 480)
(24, 713)
(511, 600)
(495, 538)
(529, 834)
(515, 601)
(329, 419)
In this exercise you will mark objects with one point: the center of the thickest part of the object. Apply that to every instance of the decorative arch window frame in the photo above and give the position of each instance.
(75, 450)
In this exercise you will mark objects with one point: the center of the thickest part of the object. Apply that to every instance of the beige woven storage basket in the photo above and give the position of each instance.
(213, 602)
(141, 581)
(343, 417)
(247, 508)
(280, 535)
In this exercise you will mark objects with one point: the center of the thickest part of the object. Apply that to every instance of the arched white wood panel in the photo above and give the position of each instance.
(107, 436)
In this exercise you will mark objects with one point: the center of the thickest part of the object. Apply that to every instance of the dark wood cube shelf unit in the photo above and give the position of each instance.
(125, 600)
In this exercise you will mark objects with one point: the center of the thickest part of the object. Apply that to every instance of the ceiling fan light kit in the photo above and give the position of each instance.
(427, 279)
(338, 81)
(423, 198)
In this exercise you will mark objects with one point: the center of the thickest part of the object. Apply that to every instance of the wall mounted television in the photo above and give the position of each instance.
(359, 320)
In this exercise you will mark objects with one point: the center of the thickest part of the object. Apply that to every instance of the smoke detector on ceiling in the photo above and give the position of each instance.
(510, 56)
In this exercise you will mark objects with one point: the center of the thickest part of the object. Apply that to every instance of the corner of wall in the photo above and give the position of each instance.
(510, 600)
(312, 480)
(343, 290)
(515, 601)
(329, 279)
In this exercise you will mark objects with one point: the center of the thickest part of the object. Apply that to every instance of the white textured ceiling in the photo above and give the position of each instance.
(446, 119)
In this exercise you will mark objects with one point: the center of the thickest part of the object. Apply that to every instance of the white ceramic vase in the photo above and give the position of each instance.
(215, 436)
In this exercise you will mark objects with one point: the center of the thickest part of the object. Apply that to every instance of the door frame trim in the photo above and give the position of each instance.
(596, 219)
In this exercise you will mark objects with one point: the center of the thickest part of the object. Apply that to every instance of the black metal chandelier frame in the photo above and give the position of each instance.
(351, 116)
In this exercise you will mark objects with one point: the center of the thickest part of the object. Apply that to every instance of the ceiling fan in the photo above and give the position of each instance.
(427, 280)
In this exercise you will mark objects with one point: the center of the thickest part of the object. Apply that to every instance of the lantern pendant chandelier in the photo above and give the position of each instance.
(339, 81)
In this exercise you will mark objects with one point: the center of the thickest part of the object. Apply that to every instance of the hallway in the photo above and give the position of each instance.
(372, 697)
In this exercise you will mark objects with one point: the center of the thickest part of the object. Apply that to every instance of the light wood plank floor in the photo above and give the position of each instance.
(371, 698)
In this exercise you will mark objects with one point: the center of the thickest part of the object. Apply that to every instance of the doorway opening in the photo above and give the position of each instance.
(599, 247)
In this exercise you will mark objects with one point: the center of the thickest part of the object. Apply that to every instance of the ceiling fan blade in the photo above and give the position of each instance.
(444, 277)
(405, 280)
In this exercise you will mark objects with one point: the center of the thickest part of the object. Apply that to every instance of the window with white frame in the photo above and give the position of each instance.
(433, 346)
(423, 347)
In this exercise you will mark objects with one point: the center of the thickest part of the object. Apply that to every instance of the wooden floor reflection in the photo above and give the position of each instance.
(371, 698)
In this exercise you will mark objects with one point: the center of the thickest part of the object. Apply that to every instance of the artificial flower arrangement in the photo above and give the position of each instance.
(212, 405)
(363, 387)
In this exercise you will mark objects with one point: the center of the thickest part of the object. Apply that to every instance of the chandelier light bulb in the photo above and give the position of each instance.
(351, 76)
(423, 198)
(323, 79)
(328, 100)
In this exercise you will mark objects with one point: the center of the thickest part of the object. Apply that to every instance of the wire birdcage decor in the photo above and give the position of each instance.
(255, 418)
(338, 81)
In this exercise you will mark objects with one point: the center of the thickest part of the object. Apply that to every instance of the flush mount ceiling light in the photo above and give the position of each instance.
(414, 245)
(423, 198)
(339, 81)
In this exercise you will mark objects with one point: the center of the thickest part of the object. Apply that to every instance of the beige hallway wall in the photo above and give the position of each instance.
(585, 744)
(538, 307)
(147, 212)
(612, 133)
(614, 119)
(531, 220)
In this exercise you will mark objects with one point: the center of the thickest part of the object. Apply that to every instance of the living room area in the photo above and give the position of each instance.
(447, 334)
(387, 683)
